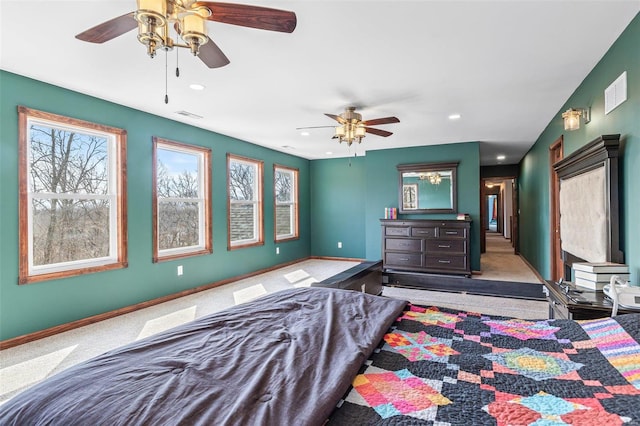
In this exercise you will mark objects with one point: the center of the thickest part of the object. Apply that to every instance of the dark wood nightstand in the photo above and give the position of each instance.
(563, 302)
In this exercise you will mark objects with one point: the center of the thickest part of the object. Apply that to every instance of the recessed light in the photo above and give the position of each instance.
(454, 116)
(329, 153)
(305, 133)
(501, 157)
(196, 86)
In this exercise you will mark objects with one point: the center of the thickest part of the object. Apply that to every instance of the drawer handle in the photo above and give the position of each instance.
(404, 259)
(443, 246)
(422, 232)
(451, 232)
(444, 261)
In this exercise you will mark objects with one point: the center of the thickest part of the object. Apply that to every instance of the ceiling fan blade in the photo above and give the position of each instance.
(335, 117)
(378, 121)
(262, 18)
(314, 127)
(110, 29)
(211, 55)
(378, 132)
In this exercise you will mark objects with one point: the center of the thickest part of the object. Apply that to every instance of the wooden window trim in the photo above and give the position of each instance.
(260, 203)
(120, 135)
(296, 212)
(208, 229)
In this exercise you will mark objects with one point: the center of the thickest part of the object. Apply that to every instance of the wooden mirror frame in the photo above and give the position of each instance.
(427, 168)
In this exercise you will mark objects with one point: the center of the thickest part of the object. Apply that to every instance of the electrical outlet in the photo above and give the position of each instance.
(180, 270)
(339, 244)
(277, 250)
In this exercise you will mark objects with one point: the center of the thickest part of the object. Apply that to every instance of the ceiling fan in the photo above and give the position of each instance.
(153, 18)
(352, 128)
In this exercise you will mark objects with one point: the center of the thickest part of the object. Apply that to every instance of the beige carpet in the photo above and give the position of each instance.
(501, 264)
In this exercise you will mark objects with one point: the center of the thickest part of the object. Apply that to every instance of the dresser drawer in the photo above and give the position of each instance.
(453, 233)
(446, 246)
(423, 232)
(403, 259)
(403, 244)
(399, 231)
(557, 309)
(446, 262)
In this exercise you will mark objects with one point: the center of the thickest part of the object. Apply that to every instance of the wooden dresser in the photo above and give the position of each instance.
(436, 246)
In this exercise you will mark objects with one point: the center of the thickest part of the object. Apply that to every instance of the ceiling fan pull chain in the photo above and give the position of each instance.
(166, 67)
(177, 64)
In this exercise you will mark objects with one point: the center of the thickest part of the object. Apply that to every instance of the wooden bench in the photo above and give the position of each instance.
(365, 277)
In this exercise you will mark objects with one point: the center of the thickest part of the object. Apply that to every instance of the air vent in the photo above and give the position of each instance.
(189, 114)
(616, 93)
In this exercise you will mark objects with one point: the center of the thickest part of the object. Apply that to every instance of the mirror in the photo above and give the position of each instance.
(427, 188)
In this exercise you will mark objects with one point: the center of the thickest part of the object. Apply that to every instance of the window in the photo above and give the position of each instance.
(72, 202)
(181, 200)
(244, 215)
(285, 188)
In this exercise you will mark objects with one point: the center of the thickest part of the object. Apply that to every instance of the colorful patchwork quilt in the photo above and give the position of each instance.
(440, 366)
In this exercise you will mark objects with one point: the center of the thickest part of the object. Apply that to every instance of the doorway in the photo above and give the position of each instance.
(498, 211)
(557, 264)
(494, 213)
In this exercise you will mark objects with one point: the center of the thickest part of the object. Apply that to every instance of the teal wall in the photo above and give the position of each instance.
(32, 307)
(337, 207)
(344, 195)
(624, 55)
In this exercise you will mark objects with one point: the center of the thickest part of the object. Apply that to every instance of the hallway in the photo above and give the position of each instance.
(501, 264)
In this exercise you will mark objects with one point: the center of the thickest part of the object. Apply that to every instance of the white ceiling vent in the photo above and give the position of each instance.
(189, 114)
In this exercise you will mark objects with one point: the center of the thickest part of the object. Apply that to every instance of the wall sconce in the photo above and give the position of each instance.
(572, 117)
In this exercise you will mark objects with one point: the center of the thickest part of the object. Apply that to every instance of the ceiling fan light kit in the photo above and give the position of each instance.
(155, 18)
(353, 129)
(434, 178)
(350, 132)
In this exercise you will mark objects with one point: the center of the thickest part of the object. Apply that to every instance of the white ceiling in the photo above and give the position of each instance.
(506, 66)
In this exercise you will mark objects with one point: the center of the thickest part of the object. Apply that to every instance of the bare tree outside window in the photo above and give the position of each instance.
(178, 206)
(242, 179)
(71, 196)
(245, 202)
(181, 200)
(286, 199)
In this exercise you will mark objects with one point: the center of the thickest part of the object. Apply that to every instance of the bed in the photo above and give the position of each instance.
(319, 355)
(440, 366)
